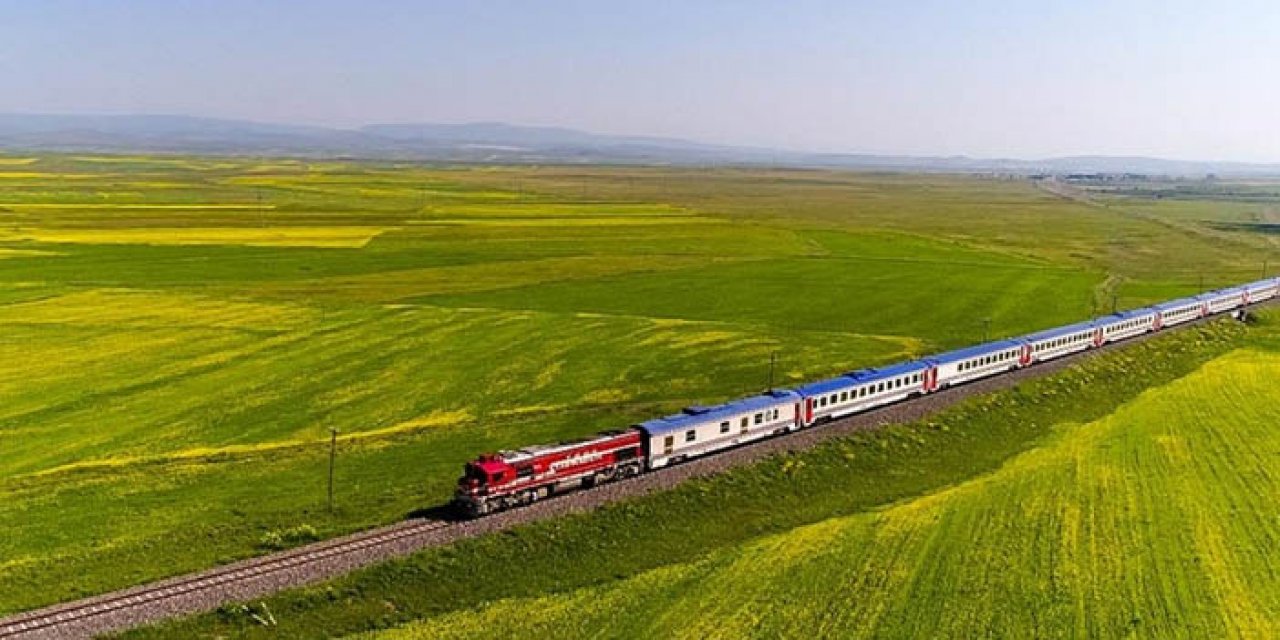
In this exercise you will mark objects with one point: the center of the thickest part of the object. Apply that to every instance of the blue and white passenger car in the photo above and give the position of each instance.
(1127, 324)
(1060, 341)
(1262, 290)
(861, 390)
(699, 431)
(963, 365)
(1224, 299)
(1175, 312)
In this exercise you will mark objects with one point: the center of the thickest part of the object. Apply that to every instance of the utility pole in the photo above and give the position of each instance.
(986, 328)
(1264, 268)
(1114, 297)
(262, 213)
(1202, 282)
(773, 360)
(333, 453)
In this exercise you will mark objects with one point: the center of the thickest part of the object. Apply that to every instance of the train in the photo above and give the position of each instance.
(498, 481)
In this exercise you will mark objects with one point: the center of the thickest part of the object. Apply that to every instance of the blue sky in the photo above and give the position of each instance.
(1175, 79)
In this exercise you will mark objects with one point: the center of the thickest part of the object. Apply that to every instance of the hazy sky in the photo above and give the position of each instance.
(1180, 79)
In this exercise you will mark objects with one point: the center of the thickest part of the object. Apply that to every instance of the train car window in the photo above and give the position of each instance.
(744, 422)
(844, 396)
(524, 472)
(775, 414)
(625, 454)
(832, 399)
(759, 418)
(822, 402)
(691, 435)
(499, 476)
(724, 427)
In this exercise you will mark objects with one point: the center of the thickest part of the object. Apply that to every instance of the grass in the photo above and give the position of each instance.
(851, 537)
(190, 328)
(1156, 520)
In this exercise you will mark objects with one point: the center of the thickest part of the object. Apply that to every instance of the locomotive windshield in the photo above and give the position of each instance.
(472, 472)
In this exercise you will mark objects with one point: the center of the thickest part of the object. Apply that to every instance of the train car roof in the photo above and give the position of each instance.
(1175, 304)
(826, 386)
(862, 376)
(970, 352)
(1269, 282)
(1126, 315)
(1220, 293)
(1057, 332)
(692, 416)
(888, 371)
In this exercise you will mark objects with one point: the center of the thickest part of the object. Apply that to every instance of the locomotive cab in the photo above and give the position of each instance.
(477, 482)
(473, 477)
(486, 471)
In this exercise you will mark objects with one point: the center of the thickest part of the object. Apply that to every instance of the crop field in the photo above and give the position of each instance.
(183, 333)
(1157, 520)
(1101, 501)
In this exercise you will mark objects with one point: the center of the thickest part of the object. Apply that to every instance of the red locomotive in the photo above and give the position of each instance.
(494, 482)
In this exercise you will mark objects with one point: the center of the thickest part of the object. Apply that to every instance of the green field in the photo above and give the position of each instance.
(1157, 520)
(184, 332)
(1072, 506)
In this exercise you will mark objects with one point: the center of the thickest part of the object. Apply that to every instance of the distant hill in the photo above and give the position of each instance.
(498, 142)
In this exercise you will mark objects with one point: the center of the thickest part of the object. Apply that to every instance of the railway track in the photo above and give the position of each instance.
(255, 577)
(61, 621)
